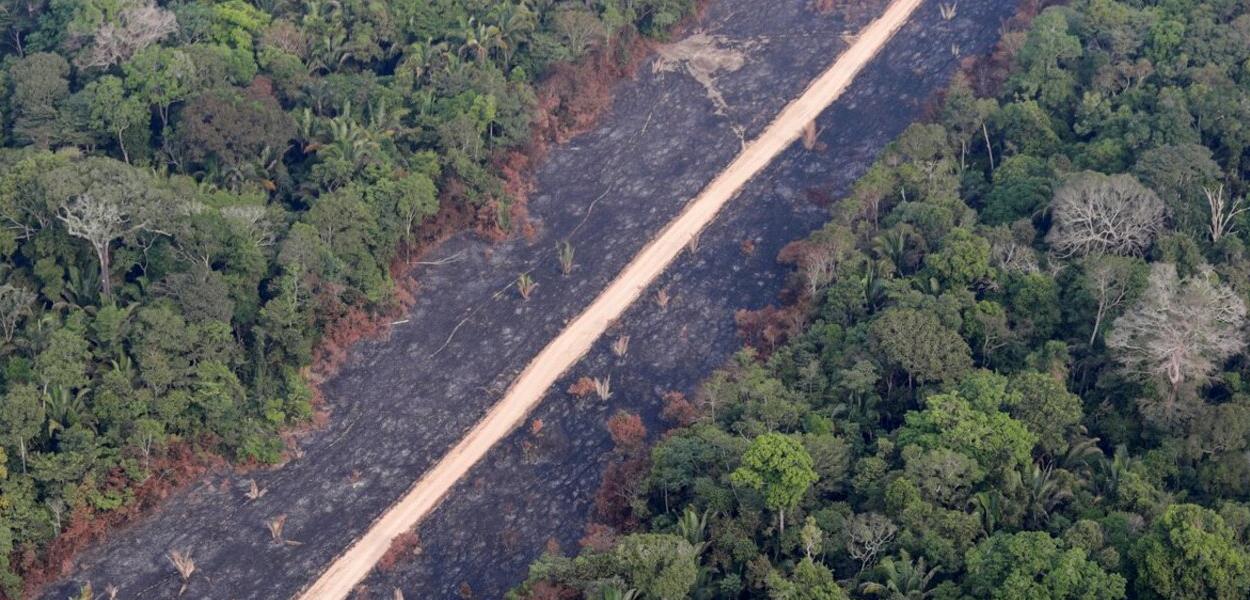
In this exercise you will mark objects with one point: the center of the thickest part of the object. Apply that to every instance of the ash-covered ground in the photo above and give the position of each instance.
(400, 403)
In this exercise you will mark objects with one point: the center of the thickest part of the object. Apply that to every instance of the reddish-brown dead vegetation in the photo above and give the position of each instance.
(598, 538)
(581, 388)
(544, 590)
(678, 411)
(627, 431)
(178, 464)
(402, 547)
(622, 481)
(766, 329)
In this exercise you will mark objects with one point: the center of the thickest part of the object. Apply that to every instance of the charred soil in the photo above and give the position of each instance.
(398, 404)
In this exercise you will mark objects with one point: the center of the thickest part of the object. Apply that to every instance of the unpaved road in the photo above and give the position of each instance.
(403, 401)
(338, 580)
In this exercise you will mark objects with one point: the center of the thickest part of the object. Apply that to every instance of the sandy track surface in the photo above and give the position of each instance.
(577, 338)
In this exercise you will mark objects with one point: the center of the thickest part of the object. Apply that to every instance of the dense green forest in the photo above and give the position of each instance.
(194, 192)
(1017, 371)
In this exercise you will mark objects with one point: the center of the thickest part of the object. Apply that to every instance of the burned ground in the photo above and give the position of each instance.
(401, 402)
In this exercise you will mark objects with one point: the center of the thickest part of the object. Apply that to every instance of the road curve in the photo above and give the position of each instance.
(527, 391)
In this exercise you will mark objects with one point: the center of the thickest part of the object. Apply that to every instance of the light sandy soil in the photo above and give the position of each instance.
(576, 339)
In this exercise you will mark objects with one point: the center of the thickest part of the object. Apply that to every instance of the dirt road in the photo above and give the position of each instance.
(575, 340)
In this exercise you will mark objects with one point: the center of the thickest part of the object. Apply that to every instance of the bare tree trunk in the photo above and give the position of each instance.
(122, 143)
(1102, 308)
(106, 283)
(988, 148)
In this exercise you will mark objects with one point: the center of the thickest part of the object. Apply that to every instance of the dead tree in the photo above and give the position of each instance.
(1223, 213)
(138, 26)
(101, 222)
(1100, 214)
(1181, 330)
(867, 535)
(1109, 279)
(15, 303)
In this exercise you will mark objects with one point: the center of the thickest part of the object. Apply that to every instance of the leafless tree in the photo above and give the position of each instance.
(819, 257)
(812, 537)
(1222, 212)
(1012, 257)
(1180, 330)
(867, 535)
(253, 220)
(99, 221)
(620, 346)
(275, 527)
(138, 26)
(184, 565)
(809, 135)
(15, 303)
(1108, 279)
(1100, 214)
(581, 29)
(56, 506)
(254, 491)
(662, 297)
(24, 214)
(603, 388)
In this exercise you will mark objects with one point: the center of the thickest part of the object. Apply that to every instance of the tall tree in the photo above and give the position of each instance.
(1033, 566)
(40, 83)
(139, 24)
(101, 201)
(114, 112)
(779, 467)
(1190, 553)
(1181, 330)
(22, 415)
(1096, 213)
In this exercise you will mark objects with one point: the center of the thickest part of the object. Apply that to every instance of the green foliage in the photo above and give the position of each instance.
(779, 467)
(810, 581)
(1190, 552)
(657, 565)
(1001, 404)
(919, 345)
(996, 441)
(230, 179)
(1033, 566)
(961, 260)
(39, 84)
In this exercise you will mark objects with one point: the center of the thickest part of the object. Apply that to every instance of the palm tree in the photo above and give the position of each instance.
(64, 408)
(693, 527)
(1045, 492)
(873, 284)
(988, 506)
(903, 579)
(354, 144)
(515, 23)
(1082, 456)
(1108, 472)
(891, 244)
(420, 57)
(477, 38)
(388, 121)
(612, 592)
